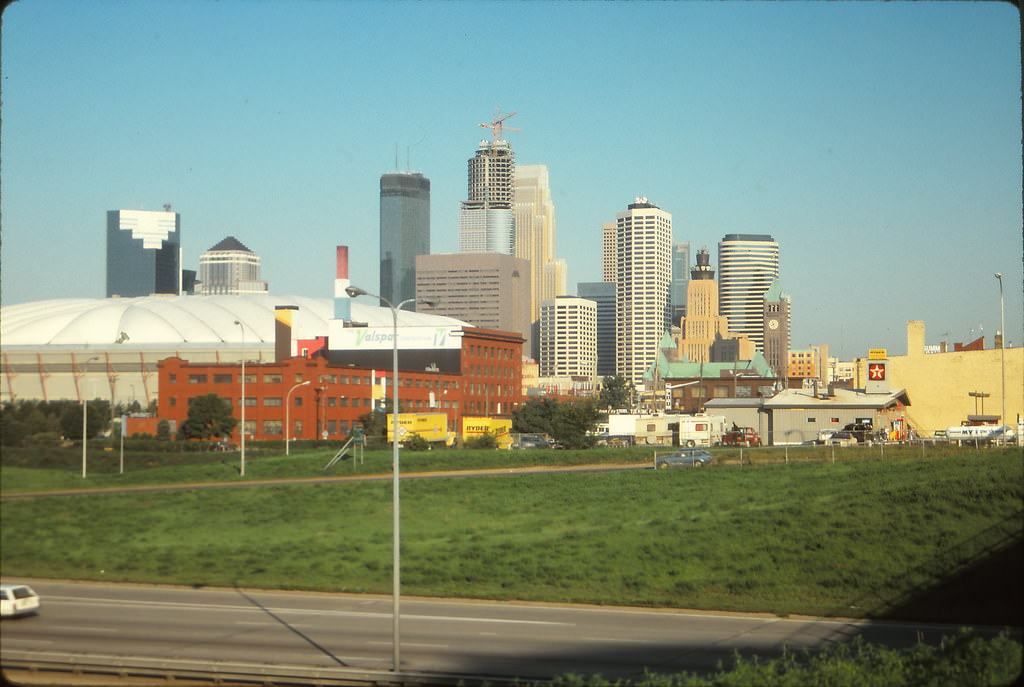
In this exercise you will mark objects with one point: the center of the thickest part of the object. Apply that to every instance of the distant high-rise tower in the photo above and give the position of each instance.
(486, 219)
(643, 275)
(535, 229)
(609, 258)
(143, 253)
(230, 268)
(680, 277)
(568, 337)
(404, 232)
(747, 266)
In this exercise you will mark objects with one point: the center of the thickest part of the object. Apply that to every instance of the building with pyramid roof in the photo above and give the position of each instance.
(230, 269)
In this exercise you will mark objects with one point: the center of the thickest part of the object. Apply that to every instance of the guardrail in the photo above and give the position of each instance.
(125, 667)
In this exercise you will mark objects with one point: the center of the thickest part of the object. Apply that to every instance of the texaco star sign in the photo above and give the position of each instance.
(876, 371)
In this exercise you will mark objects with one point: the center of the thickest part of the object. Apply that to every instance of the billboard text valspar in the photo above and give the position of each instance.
(379, 338)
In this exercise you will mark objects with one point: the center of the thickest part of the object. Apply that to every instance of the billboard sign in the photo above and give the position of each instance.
(380, 338)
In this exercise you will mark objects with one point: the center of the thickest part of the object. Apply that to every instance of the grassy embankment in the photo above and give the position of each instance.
(854, 538)
(54, 468)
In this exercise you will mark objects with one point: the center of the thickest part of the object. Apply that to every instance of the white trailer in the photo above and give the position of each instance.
(980, 433)
(701, 430)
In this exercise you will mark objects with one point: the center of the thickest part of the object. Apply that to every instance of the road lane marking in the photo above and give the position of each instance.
(25, 640)
(299, 611)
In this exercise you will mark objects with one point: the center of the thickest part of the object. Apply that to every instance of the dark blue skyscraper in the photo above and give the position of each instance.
(143, 253)
(404, 232)
(602, 293)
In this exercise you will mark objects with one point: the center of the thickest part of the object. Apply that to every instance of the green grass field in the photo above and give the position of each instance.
(859, 537)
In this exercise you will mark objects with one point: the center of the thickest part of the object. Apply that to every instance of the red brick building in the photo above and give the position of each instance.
(488, 381)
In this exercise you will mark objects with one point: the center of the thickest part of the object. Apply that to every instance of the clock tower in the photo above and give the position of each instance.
(776, 315)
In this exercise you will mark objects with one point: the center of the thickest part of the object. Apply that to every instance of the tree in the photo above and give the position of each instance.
(536, 416)
(374, 423)
(616, 392)
(575, 422)
(163, 430)
(71, 419)
(209, 417)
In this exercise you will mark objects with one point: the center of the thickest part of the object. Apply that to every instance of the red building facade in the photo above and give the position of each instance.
(318, 399)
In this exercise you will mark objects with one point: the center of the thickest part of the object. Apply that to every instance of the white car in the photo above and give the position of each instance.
(18, 599)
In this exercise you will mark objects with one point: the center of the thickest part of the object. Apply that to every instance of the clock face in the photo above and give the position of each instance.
(773, 324)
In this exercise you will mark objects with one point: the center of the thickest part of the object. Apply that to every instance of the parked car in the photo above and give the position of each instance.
(687, 457)
(861, 431)
(842, 438)
(532, 441)
(18, 599)
(741, 436)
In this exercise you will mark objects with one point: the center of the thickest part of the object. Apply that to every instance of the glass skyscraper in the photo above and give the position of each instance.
(143, 253)
(680, 278)
(404, 232)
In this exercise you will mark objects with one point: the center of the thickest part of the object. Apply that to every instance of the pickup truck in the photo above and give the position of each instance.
(741, 436)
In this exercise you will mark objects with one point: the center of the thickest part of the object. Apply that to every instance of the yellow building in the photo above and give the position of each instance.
(940, 383)
(703, 326)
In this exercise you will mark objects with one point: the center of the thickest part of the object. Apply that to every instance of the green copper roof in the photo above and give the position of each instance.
(666, 369)
(775, 292)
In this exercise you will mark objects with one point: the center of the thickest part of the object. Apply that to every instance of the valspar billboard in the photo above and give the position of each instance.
(380, 338)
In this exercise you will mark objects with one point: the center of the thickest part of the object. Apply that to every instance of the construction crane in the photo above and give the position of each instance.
(497, 127)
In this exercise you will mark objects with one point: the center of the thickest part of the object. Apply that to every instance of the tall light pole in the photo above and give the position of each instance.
(242, 327)
(85, 417)
(1002, 355)
(352, 292)
(287, 420)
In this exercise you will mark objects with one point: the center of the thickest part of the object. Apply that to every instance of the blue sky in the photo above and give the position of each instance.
(879, 143)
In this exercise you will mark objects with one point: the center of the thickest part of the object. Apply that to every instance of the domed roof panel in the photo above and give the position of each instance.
(166, 320)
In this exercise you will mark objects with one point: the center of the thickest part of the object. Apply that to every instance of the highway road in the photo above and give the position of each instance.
(438, 635)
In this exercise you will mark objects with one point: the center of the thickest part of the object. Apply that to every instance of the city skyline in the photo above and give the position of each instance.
(878, 143)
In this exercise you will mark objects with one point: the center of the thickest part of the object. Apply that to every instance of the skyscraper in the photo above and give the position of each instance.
(491, 291)
(486, 219)
(680, 278)
(703, 328)
(609, 257)
(230, 268)
(404, 232)
(568, 337)
(747, 266)
(143, 253)
(643, 235)
(535, 229)
(603, 294)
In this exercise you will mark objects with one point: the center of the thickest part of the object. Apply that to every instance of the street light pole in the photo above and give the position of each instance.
(352, 292)
(242, 327)
(85, 417)
(287, 420)
(1002, 356)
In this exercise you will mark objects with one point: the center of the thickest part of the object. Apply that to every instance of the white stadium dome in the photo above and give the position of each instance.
(177, 320)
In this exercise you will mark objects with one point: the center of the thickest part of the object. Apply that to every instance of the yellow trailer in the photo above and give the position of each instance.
(429, 426)
(499, 428)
